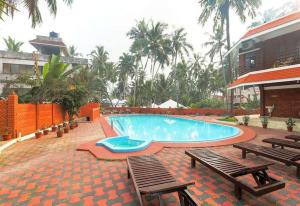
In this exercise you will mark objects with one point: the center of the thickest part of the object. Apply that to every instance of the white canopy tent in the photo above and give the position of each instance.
(170, 104)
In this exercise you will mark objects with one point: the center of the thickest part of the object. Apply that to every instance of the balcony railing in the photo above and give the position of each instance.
(287, 58)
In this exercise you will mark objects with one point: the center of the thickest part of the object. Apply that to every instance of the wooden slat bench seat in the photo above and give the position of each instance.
(150, 177)
(282, 155)
(231, 170)
(282, 143)
(296, 138)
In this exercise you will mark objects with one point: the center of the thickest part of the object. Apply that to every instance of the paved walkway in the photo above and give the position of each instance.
(49, 171)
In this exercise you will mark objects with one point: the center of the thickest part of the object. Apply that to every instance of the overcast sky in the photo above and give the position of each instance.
(97, 22)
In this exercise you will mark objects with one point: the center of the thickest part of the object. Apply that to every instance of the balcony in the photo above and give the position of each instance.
(266, 61)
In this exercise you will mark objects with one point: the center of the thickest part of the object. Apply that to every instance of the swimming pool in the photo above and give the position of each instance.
(164, 128)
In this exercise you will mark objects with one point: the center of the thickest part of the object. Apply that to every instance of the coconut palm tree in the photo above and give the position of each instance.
(99, 60)
(220, 12)
(72, 50)
(8, 7)
(126, 68)
(12, 44)
(216, 43)
(180, 47)
(157, 47)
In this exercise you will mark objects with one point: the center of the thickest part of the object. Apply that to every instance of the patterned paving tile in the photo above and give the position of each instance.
(49, 171)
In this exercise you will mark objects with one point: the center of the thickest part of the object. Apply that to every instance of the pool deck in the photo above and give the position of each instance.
(50, 171)
(102, 153)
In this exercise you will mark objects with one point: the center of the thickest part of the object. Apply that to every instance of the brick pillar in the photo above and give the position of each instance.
(12, 113)
(262, 100)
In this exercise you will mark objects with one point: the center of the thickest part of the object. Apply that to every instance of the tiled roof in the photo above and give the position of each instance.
(268, 76)
(273, 24)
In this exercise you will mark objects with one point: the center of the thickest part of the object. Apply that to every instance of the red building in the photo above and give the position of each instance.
(269, 57)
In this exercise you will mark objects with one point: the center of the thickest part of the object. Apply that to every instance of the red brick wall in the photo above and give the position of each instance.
(27, 118)
(286, 102)
(91, 110)
(3, 115)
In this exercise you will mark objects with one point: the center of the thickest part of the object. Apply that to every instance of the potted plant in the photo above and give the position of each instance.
(264, 121)
(246, 119)
(66, 129)
(72, 125)
(6, 135)
(54, 128)
(45, 131)
(290, 123)
(60, 132)
(65, 123)
(38, 134)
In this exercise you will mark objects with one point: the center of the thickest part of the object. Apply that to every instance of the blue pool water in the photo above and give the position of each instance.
(123, 144)
(170, 129)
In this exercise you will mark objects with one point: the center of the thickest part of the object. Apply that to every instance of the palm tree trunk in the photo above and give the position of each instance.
(229, 58)
(176, 86)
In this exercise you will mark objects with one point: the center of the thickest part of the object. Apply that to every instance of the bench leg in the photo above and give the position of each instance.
(193, 163)
(128, 174)
(244, 153)
(298, 172)
(237, 192)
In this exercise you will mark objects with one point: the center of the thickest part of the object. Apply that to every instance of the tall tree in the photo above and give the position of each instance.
(220, 12)
(216, 43)
(72, 50)
(12, 44)
(8, 7)
(126, 69)
(180, 47)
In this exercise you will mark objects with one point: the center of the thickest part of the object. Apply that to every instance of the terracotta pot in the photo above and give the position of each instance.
(38, 135)
(72, 126)
(60, 133)
(265, 126)
(54, 129)
(6, 137)
(46, 132)
(246, 123)
(66, 130)
(290, 129)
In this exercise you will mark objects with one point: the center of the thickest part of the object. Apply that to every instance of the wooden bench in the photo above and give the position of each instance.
(231, 170)
(150, 177)
(286, 156)
(282, 143)
(296, 138)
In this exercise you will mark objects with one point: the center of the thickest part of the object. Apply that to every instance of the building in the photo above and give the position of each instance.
(269, 57)
(14, 63)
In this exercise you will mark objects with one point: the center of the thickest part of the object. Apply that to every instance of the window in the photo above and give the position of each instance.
(250, 61)
(15, 69)
(6, 68)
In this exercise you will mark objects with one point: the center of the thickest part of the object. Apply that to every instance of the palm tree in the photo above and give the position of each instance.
(220, 12)
(99, 60)
(180, 47)
(126, 68)
(72, 50)
(8, 7)
(216, 43)
(158, 48)
(12, 44)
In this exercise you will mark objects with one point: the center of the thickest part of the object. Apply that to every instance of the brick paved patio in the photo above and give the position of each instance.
(49, 171)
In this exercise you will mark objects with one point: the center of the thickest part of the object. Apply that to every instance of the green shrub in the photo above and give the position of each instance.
(228, 119)
(209, 103)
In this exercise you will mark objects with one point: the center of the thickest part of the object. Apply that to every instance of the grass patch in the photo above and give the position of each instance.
(228, 119)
